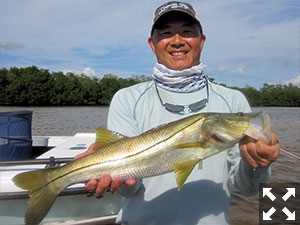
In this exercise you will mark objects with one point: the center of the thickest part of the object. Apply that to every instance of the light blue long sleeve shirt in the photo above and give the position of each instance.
(205, 197)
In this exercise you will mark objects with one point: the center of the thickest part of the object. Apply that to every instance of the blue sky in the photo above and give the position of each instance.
(249, 42)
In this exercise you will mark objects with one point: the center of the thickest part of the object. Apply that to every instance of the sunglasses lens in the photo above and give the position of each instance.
(174, 108)
(198, 105)
(185, 109)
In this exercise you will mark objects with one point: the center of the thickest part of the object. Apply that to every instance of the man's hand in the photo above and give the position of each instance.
(105, 182)
(257, 153)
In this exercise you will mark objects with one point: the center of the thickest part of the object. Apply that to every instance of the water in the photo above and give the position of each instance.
(65, 121)
(286, 125)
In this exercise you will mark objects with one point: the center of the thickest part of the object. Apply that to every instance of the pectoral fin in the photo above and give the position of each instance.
(192, 145)
(183, 170)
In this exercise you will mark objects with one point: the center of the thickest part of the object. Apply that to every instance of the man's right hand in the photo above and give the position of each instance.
(105, 182)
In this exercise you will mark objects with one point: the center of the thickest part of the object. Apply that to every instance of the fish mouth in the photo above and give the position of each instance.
(222, 138)
(217, 139)
(260, 128)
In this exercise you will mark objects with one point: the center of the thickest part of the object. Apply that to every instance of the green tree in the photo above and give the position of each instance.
(67, 90)
(27, 86)
(254, 96)
(33, 86)
(109, 85)
(91, 90)
(3, 86)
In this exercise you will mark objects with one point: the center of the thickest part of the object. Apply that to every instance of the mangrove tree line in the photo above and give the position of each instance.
(31, 86)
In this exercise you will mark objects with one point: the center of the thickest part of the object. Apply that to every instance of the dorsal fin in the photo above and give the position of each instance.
(104, 136)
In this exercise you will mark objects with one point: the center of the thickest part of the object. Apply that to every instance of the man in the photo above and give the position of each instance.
(179, 88)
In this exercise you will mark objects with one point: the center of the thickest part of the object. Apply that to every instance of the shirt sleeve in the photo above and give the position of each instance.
(121, 114)
(243, 178)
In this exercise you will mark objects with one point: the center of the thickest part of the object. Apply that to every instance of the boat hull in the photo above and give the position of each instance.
(65, 208)
(72, 205)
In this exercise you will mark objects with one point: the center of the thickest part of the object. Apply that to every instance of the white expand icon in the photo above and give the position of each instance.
(290, 192)
(267, 215)
(290, 215)
(267, 192)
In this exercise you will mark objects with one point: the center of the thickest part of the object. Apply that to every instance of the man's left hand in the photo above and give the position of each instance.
(257, 153)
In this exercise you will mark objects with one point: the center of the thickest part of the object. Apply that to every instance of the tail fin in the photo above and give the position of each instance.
(43, 192)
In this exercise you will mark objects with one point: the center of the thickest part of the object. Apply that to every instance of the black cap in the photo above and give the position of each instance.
(174, 6)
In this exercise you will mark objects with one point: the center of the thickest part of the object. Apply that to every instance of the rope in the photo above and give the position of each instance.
(289, 153)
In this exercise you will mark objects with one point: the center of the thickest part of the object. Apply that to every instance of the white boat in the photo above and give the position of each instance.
(73, 206)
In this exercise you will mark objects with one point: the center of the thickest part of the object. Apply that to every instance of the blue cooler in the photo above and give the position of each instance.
(15, 135)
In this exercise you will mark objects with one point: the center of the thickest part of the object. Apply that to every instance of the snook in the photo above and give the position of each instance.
(177, 146)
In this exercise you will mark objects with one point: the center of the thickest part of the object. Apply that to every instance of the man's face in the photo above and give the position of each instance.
(177, 42)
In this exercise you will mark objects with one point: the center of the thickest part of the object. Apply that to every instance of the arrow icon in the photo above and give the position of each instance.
(290, 216)
(267, 215)
(267, 191)
(289, 193)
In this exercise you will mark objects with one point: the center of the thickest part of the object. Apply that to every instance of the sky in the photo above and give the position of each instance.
(248, 42)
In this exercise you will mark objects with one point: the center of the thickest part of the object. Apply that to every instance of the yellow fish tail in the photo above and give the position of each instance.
(43, 193)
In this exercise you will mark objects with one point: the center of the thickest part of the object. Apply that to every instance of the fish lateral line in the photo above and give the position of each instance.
(182, 146)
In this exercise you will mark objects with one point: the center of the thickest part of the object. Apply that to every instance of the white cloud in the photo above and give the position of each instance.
(10, 45)
(240, 71)
(263, 33)
(250, 37)
(295, 81)
(223, 68)
(89, 71)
